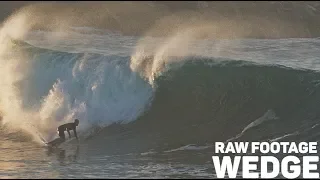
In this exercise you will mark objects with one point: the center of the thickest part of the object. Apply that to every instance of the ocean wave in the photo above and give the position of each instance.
(200, 102)
(217, 99)
(56, 87)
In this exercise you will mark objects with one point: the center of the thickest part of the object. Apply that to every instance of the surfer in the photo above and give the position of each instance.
(67, 127)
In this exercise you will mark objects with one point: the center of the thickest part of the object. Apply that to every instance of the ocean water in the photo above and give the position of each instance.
(149, 107)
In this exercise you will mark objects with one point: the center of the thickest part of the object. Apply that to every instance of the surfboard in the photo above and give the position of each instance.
(55, 142)
(58, 142)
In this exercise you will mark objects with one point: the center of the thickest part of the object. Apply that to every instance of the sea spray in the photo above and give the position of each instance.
(54, 87)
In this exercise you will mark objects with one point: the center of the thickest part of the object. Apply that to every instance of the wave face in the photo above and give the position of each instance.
(201, 102)
(51, 87)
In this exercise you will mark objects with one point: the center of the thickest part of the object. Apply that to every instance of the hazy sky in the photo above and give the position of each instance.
(286, 18)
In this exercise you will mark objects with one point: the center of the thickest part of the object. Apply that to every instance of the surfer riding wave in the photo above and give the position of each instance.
(65, 127)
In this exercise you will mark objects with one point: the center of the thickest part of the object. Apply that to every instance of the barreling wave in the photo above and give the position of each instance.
(165, 87)
(215, 99)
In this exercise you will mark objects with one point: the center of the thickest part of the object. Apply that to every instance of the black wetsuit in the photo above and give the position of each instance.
(67, 127)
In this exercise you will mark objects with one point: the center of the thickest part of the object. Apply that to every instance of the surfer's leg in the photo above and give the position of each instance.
(62, 136)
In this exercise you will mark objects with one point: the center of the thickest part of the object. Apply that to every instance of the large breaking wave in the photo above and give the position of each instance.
(166, 88)
(215, 99)
(49, 88)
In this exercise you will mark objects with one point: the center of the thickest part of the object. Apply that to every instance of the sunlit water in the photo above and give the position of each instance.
(27, 160)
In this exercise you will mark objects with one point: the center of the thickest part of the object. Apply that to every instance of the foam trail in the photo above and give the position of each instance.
(284, 136)
(190, 147)
(269, 115)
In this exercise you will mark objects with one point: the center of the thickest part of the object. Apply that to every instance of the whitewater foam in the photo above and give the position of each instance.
(190, 147)
(50, 88)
